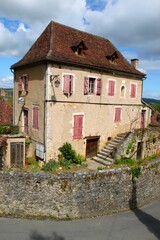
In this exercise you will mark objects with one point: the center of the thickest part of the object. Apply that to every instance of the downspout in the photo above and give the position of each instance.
(45, 110)
(13, 96)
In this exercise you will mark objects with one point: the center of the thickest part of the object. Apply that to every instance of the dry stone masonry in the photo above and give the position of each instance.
(77, 194)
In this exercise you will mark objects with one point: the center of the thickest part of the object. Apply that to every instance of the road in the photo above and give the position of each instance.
(142, 224)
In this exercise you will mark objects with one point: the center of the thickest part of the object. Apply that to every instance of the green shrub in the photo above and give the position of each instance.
(125, 161)
(50, 166)
(69, 155)
(9, 129)
(136, 171)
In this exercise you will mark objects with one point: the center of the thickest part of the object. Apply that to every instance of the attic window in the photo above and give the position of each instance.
(112, 57)
(80, 48)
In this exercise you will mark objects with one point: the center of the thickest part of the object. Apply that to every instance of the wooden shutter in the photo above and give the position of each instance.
(111, 88)
(86, 85)
(71, 83)
(117, 117)
(20, 84)
(66, 84)
(99, 86)
(26, 83)
(78, 126)
(35, 117)
(133, 90)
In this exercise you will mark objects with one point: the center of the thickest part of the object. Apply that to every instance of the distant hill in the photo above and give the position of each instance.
(151, 101)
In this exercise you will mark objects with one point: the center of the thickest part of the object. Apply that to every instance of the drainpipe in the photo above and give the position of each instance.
(45, 109)
(13, 96)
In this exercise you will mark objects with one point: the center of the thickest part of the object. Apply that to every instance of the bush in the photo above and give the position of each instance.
(125, 161)
(69, 155)
(9, 129)
(50, 166)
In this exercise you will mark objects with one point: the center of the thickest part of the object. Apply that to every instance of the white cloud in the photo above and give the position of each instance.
(6, 82)
(131, 25)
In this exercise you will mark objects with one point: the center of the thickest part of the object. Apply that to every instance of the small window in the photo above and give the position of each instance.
(35, 123)
(117, 116)
(78, 127)
(68, 84)
(111, 88)
(122, 91)
(92, 86)
(133, 90)
(23, 83)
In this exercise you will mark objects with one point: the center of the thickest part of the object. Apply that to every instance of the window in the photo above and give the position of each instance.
(92, 86)
(133, 90)
(111, 88)
(78, 126)
(117, 116)
(35, 117)
(23, 83)
(68, 84)
(122, 91)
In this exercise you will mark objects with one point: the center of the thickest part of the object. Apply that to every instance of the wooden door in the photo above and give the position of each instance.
(143, 116)
(25, 112)
(92, 147)
(17, 154)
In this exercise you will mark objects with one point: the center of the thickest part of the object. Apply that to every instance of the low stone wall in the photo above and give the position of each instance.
(77, 194)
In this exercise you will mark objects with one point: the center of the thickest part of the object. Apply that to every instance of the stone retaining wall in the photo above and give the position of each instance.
(77, 194)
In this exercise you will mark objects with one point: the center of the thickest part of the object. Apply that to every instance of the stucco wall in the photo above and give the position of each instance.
(77, 194)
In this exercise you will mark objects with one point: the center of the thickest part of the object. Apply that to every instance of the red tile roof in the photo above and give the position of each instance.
(56, 44)
(6, 113)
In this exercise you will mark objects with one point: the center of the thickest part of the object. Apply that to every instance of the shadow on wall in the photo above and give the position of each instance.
(152, 224)
(36, 236)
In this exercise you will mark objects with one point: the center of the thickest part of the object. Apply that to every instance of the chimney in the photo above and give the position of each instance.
(134, 63)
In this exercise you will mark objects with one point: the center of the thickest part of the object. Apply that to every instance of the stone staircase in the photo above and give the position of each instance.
(106, 155)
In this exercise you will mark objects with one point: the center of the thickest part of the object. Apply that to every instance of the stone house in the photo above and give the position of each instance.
(72, 86)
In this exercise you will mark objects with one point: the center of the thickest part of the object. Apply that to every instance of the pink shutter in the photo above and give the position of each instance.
(117, 115)
(35, 117)
(111, 88)
(71, 83)
(133, 90)
(26, 83)
(78, 125)
(66, 84)
(86, 85)
(20, 84)
(99, 86)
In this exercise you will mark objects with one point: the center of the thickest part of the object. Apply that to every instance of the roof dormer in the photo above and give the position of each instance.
(80, 48)
(112, 57)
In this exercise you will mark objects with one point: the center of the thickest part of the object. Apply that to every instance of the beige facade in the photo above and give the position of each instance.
(56, 110)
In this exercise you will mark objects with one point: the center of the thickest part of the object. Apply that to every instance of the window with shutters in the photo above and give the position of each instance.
(78, 126)
(92, 86)
(133, 90)
(68, 84)
(35, 117)
(23, 84)
(118, 114)
(111, 88)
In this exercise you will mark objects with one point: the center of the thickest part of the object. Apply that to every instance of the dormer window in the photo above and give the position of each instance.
(80, 48)
(112, 57)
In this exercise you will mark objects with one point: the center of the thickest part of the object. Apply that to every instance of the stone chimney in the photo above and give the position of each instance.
(135, 63)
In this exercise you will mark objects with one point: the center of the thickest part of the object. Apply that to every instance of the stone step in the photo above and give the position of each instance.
(108, 147)
(104, 153)
(101, 161)
(101, 156)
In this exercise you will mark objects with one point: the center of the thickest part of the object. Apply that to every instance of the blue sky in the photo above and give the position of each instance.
(135, 34)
